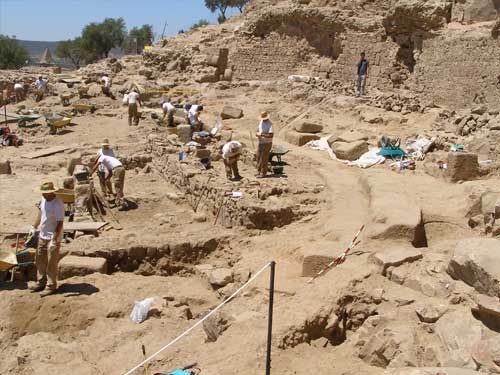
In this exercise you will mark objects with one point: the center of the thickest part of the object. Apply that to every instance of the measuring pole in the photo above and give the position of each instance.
(270, 318)
(164, 27)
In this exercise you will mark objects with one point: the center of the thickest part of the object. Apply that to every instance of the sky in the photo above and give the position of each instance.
(55, 20)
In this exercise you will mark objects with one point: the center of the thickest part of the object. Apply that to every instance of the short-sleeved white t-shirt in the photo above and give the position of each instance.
(265, 127)
(106, 152)
(40, 84)
(132, 97)
(192, 114)
(109, 162)
(226, 149)
(18, 86)
(167, 107)
(51, 213)
(107, 81)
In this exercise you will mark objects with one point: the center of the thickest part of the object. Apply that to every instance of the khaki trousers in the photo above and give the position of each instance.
(119, 182)
(47, 262)
(133, 113)
(263, 152)
(106, 187)
(231, 165)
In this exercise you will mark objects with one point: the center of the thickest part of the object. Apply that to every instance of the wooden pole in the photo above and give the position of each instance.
(270, 318)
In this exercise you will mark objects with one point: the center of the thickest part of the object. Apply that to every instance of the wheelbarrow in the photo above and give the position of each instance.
(277, 151)
(24, 120)
(82, 108)
(56, 122)
(17, 258)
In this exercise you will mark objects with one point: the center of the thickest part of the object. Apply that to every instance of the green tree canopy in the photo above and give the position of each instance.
(138, 38)
(72, 50)
(240, 4)
(200, 23)
(100, 38)
(12, 55)
(218, 5)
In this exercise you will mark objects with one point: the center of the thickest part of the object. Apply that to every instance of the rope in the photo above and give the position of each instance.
(185, 333)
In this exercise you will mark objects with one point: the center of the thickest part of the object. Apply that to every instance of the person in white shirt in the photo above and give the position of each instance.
(49, 222)
(18, 91)
(265, 136)
(40, 88)
(194, 117)
(115, 171)
(106, 86)
(105, 183)
(231, 152)
(133, 113)
(168, 111)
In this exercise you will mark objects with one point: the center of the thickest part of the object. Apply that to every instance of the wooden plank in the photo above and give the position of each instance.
(83, 226)
(45, 152)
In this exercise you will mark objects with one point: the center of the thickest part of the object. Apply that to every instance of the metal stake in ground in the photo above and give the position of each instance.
(205, 187)
(270, 318)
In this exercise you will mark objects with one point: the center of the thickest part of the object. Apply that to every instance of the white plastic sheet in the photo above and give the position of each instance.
(141, 309)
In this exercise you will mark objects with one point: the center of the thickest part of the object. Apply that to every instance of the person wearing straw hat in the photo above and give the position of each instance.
(116, 171)
(104, 182)
(49, 222)
(265, 136)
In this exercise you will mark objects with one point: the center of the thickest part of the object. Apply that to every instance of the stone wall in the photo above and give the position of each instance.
(459, 71)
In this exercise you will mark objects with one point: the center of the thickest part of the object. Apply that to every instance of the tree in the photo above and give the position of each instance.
(240, 4)
(138, 38)
(100, 38)
(12, 55)
(200, 23)
(72, 50)
(220, 5)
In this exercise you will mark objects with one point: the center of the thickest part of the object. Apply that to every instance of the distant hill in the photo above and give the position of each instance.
(35, 48)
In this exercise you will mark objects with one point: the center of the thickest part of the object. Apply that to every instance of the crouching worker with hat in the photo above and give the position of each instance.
(49, 221)
(231, 152)
(116, 171)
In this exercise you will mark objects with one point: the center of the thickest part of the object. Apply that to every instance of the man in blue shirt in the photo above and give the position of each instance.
(362, 73)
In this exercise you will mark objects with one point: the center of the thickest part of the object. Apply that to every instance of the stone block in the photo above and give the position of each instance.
(5, 167)
(352, 136)
(395, 257)
(349, 150)
(476, 261)
(221, 277)
(71, 266)
(462, 166)
(300, 139)
(202, 153)
(72, 162)
(184, 133)
(231, 113)
(480, 11)
(308, 127)
(316, 260)
(228, 75)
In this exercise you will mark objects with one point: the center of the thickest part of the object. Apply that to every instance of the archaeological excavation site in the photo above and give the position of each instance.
(352, 147)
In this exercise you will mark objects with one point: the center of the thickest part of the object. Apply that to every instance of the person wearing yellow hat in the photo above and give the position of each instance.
(104, 182)
(265, 135)
(49, 222)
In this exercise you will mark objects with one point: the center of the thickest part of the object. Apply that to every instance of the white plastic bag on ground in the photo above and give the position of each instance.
(141, 309)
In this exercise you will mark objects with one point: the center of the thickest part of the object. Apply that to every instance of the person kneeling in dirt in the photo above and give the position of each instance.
(115, 171)
(133, 112)
(231, 152)
(168, 112)
(49, 221)
(18, 91)
(106, 86)
(105, 183)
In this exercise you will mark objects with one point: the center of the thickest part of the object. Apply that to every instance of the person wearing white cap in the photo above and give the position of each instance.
(265, 136)
(231, 152)
(49, 221)
(106, 186)
(116, 171)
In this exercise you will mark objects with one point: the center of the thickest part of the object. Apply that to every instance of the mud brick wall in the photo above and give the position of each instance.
(270, 58)
(459, 71)
(381, 55)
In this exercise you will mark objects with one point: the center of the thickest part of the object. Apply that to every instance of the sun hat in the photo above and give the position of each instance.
(47, 187)
(264, 116)
(105, 142)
